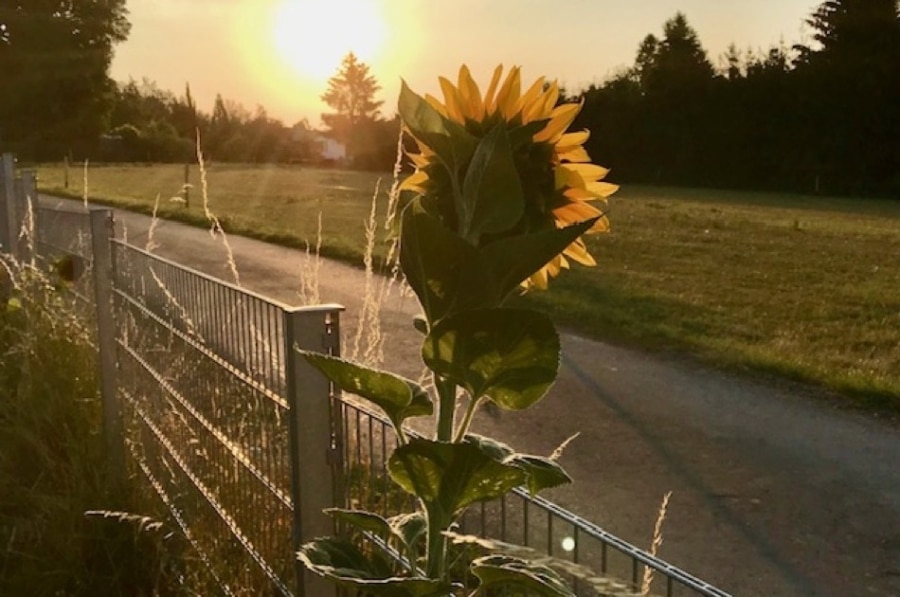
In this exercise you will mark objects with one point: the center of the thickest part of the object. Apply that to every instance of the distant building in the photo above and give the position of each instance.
(315, 146)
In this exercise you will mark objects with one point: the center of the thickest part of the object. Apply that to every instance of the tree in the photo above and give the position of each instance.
(351, 93)
(850, 82)
(55, 57)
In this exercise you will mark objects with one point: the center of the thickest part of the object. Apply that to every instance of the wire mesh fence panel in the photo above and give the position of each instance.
(594, 562)
(61, 239)
(202, 381)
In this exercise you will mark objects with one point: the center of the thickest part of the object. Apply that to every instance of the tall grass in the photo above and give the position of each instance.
(52, 462)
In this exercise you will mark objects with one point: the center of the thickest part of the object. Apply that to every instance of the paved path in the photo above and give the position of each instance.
(775, 491)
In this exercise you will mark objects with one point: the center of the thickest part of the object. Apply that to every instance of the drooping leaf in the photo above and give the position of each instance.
(362, 520)
(540, 472)
(492, 199)
(398, 397)
(410, 528)
(450, 476)
(501, 571)
(543, 473)
(510, 355)
(342, 562)
(512, 260)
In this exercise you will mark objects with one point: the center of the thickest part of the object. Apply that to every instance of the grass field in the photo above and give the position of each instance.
(804, 287)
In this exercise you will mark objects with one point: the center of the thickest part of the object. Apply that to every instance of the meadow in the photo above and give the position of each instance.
(798, 287)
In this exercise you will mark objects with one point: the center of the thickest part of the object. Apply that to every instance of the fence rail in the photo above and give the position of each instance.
(242, 441)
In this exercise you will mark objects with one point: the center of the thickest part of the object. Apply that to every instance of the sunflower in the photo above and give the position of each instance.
(559, 181)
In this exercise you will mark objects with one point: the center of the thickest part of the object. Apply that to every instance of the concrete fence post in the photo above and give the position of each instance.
(10, 231)
(314, 432)
(113, 430)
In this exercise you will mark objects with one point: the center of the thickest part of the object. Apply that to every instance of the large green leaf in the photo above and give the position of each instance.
(433, 259)
(501, 571)
(343, 562)
(540, 472)
(510, 355)
(492, 199)
(398, 397)
(450, 476)
(543, 473)
(512, 260)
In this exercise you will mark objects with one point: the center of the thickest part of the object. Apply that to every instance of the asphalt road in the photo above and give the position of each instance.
(776, 491)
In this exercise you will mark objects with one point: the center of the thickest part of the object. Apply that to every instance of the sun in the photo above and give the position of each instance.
(312, 36)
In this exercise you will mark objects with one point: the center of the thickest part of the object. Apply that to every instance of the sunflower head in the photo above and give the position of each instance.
(501, 164)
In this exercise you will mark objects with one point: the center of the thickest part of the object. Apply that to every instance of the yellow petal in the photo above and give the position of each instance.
(452, 101)
(492, 89)
(530, 105)
(415, 182)
(588, 172)
(436, 104)
(508, 97)
(472, 106)
(579, 253)
(560, 119)
(575, 154)
(577, 211)
(570, 140)
(602, 189)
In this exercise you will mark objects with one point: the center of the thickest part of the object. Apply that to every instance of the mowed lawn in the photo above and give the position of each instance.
(803, 287)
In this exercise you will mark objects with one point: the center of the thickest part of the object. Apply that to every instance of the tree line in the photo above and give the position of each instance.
(821, 116)
(817, 117)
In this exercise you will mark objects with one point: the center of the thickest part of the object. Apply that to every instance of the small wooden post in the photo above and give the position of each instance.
(113, 429)
(187, 186)
(65, 172)
(314, 432)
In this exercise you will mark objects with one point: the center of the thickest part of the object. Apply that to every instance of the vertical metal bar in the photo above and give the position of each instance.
(10, 229)
(549, 533)
(525, 523)
(309, 396)
(101, 233)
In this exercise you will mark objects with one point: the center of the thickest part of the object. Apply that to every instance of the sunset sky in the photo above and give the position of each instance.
(280, 53)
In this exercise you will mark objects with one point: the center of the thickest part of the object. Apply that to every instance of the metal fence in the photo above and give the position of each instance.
(518, 518)
(209, 406)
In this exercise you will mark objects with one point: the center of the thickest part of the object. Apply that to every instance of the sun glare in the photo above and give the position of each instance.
(312, 36)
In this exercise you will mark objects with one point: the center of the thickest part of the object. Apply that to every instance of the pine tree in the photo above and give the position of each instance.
(351, 93)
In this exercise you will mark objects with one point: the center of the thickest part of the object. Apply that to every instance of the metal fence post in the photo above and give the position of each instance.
(10, 231)
(113, 431)
(314, 444)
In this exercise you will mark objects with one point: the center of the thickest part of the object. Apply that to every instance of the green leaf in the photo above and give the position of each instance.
(449, 140)
(512, 260)
(398, 397)
(410, 528)
(492, 199)
(362, 520)
(500, 571)
(509, 355)
(342, 562)
(432, 258)
(447, 477)
(339, 558)
(542, 472)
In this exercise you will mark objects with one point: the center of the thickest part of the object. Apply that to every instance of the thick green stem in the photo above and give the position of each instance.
(447, 397)
(436, 554)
